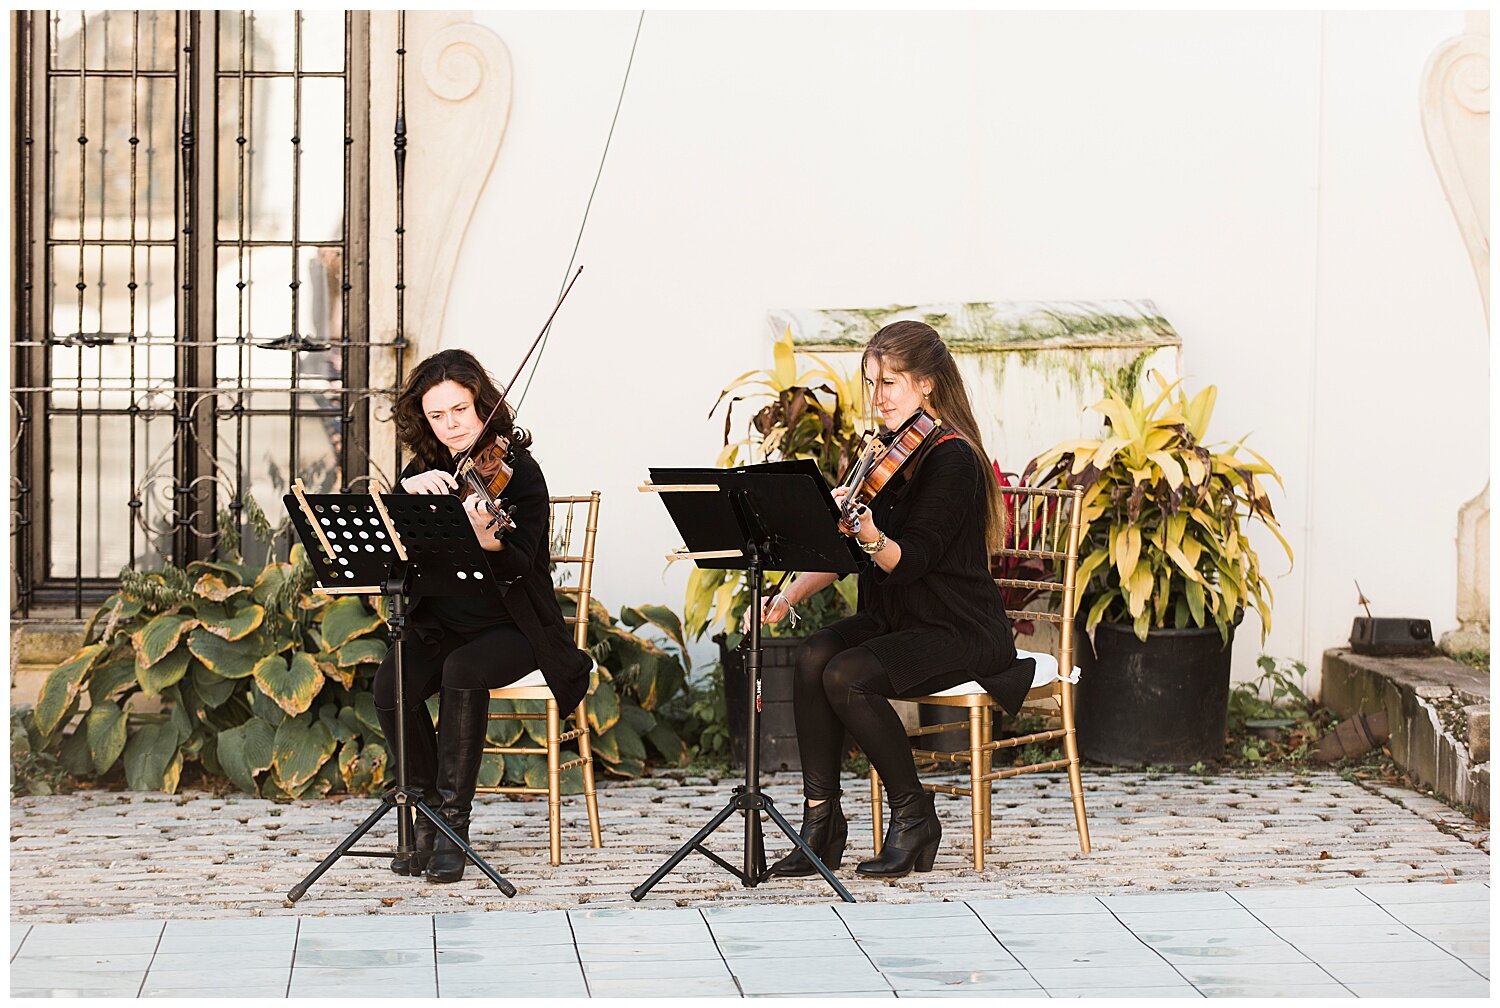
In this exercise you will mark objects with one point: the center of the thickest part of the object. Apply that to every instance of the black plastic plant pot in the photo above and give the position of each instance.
(778, 728)
(1162, 702)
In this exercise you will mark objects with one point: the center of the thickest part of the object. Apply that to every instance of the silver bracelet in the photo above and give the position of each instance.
(873, 547)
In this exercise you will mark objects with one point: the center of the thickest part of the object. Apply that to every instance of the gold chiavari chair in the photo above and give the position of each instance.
(561, 530)
(1042, 539)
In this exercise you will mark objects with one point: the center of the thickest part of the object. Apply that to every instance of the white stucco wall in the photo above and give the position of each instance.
(1261, 178)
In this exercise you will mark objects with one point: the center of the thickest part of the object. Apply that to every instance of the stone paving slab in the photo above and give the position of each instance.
(864, 949)
(94, 856)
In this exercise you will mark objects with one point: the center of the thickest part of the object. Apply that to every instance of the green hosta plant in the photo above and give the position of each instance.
(812, 414)
(1166, 515)
(259, 680)
(262, 681)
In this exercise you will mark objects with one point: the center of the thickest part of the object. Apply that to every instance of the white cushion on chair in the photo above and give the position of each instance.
(535, 678)
(1046, 672)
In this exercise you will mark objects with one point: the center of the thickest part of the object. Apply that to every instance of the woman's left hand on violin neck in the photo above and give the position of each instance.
(886, 554)
(483, 523)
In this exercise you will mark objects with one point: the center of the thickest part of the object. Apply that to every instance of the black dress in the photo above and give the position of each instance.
(938, 619)
(528, 599)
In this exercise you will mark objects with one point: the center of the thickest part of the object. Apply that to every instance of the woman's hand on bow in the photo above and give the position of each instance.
(772, 610)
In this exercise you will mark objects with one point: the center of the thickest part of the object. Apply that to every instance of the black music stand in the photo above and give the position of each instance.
(400, 546)
(776, 516)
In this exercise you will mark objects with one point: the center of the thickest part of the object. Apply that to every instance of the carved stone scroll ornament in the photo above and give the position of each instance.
(458, 99)
(1455, 121)
(464, 70)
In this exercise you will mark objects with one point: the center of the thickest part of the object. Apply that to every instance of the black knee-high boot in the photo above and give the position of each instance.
(462, 720)
(421, 776)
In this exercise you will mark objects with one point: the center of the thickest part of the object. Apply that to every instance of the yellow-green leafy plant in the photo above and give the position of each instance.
(1166, 515)
(811, 414)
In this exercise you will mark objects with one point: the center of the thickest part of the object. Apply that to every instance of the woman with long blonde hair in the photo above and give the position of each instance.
(929, 616)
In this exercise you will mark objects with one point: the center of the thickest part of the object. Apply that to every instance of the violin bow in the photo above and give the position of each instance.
(505, 392)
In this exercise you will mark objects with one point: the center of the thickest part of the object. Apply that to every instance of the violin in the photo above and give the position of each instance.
(880, 462)
(486, 473)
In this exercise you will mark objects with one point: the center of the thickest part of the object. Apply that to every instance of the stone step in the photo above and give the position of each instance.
(1438, 710)
(36, 648)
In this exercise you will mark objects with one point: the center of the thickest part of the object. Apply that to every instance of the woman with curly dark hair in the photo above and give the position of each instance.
(463, 647)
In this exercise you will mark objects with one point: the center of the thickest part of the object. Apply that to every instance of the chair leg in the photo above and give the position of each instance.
(1075, 785)
(875, 813)
(585, 750)
(987, 733)
(976, 771)
(554, 789)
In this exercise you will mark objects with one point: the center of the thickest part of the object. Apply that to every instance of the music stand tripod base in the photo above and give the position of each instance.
(778, 516)
(399, 546)
(752, 804)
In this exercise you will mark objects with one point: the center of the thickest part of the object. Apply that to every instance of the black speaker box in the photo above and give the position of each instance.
(1385, 635)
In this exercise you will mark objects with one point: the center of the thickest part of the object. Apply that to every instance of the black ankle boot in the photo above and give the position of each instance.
(421, 774)
(911, 841)
(462, 720)
(826, 831)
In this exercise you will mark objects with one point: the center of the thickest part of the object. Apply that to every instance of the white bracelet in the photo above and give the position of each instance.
(791, 610)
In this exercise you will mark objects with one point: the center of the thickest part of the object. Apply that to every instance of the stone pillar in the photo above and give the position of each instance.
(458, 97)
(1473, 631)
(1455, 121)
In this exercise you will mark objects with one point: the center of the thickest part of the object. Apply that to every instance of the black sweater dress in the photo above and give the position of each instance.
(528, 599)
(938, 619)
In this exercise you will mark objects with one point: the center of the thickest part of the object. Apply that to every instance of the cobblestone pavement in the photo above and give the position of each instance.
(104, 855)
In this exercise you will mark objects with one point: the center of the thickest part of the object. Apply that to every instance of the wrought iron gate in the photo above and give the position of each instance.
(191, 286)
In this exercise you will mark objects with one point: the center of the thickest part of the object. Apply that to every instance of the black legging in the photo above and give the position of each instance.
(837, 687)
(488, 659)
